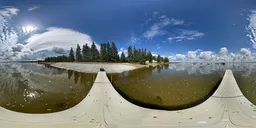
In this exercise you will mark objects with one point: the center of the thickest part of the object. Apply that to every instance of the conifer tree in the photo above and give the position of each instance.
(158, 58)
(114, 53)
(149, 57)
(71, 55)
(78, 54)
(130, 54)
(94, 53)
(86, 53)
(122, 57)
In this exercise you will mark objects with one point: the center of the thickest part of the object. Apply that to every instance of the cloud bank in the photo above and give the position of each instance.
(245, 55)
(58, 37)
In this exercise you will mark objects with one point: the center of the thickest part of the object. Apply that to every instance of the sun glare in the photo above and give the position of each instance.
(28, 29)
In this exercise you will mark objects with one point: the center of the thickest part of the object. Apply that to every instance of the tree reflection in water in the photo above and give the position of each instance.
(37, 88)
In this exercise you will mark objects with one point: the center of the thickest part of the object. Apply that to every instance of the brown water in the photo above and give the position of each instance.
(169, 87)
(245, 74)
(34, 88)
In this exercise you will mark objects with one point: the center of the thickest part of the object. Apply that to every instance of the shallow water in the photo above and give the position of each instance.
(169, 87)
(245, 75)
(34, 88)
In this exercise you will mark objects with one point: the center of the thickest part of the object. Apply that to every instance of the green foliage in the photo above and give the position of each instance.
(122, 57)
(158, 59)
(149, 57)
(166, 60)
(56, 59)
(114, 53)
(130, 54)
(94, 55)
(108, 53)
(71, 55)
(86, 53)
(78, 53)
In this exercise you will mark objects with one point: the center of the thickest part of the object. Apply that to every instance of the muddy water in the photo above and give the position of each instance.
(245, 74)
(169, 87)
(34, 88)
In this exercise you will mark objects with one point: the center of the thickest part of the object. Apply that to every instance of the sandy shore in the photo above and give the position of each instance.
(95, 67)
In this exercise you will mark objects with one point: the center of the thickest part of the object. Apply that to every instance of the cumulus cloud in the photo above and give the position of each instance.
(58, 37)
(17, 48)
(245, 55)
(206, 55)
(180, 57)
(157, 28)
(185, 35)
(223, 51)
(58, 50)
(33, 8)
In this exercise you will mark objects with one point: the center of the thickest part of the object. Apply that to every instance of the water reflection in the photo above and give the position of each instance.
(169, 87)
(34, 88)
(245, 75)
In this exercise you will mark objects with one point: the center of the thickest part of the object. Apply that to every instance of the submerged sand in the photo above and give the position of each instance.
(95, 67)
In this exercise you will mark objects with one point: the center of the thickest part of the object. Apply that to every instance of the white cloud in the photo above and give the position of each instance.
(156, 28)
(17, 48)
(134, 40)
(58, 37)
(123, 50)
(180, 57)
(158, 46)
(185, 35)
(206, 55)
(223, 51)
(251, 28)
(8, 37)
(33, 8)
(245, 55)
(192, 55)
(8, 12)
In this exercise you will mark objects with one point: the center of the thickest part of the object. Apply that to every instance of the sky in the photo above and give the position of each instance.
(198, 30)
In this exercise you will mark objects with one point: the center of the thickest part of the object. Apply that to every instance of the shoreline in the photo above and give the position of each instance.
(94, 67)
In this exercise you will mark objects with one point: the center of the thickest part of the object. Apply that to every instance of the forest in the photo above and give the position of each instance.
(108, 53)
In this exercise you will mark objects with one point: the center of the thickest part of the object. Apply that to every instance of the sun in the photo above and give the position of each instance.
(28, 29)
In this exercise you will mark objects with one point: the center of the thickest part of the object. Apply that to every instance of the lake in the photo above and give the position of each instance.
(38, 88)
(169, 87)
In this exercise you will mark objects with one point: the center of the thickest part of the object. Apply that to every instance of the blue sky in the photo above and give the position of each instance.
(179, 29)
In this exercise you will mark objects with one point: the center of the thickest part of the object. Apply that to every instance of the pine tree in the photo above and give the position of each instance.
(95, 55)
(71, 55)
(86, 53)
(78, 54)
(130, 54)
(122, 57)
(108, 53)
(114, 53)
(135, 54)
(149, 57)
(158, 58)
(103, 52)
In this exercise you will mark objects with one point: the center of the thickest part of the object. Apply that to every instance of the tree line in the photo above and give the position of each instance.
(108, 53)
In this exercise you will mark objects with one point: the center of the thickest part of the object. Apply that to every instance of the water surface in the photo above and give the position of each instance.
(169, 87)
(34, 88)
(245, 74)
